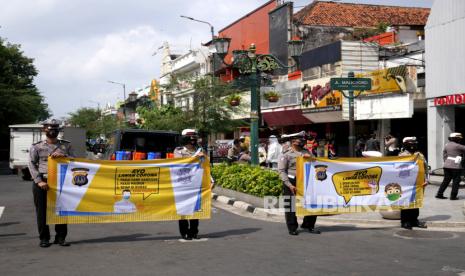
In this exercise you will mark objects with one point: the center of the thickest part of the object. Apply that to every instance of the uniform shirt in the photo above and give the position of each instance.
(39, 153)
(183, 152)
(233, 153)
(452, 150)
(287, 164)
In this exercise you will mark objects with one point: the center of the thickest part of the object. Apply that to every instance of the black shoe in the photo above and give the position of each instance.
(61, 242)
(406, 225)
(44, 243)
(421, 224)
(293, 233)
(454, 198)
(314, 231)
(440, 197)
(195, 237)
(186, 237)
(304, 226)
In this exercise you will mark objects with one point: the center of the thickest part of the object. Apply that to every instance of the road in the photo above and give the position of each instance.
(236, 245)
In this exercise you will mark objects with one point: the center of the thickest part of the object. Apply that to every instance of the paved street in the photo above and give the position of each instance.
(236, 245)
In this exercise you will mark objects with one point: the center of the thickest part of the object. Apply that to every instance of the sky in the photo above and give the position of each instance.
(79, 45)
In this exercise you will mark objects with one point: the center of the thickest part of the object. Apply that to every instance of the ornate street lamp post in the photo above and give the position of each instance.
(250, 64)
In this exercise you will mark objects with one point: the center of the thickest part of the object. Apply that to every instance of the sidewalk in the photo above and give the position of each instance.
(436, 212)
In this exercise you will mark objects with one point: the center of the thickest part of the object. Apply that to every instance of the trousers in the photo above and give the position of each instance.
(189, 227)
(40, 203)
(289, 214)
(454, 175)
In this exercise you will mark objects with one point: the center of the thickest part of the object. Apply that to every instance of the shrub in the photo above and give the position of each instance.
(247, 179)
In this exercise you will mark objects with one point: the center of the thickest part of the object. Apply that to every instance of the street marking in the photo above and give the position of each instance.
(199, 240)
(1, 211)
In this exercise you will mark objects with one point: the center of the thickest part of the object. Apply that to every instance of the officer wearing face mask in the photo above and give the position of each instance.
(409, 217)
(38, 167)
(287, 172)
(188, 228)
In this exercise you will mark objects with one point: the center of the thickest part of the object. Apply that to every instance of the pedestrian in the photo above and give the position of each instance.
(38, 167)
(391, 145)
(312, 144)
(372, 144)
(274, 149)
(287, 172)
(262, 154)
(409, 217)
(235, 151)
(189, 229)
(360, 146)
(453, 154)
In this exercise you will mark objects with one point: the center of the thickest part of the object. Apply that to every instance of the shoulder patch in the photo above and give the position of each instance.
(64, 141)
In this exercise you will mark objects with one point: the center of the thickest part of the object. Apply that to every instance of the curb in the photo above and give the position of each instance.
(269, 213)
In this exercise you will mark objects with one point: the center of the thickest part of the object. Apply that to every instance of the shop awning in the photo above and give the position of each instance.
(285, 118)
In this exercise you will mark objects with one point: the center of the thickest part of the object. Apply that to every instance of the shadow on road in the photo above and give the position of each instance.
(12, 235)
(9, 223)
(149, 237)
(437, 218)
(342, 228)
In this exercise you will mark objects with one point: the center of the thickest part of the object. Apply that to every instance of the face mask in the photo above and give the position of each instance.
(126, 196)
(193, 142)
(301, 143)
(393, 197)
(52, 133)
(412, 148)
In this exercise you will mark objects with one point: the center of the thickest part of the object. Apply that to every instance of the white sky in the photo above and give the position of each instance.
(80, 44)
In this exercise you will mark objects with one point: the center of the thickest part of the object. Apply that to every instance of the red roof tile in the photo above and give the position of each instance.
(359, 15)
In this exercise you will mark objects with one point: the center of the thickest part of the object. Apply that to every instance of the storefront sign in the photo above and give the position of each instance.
(350, 83)
(450, 100)
(321, 98)
(390, 80)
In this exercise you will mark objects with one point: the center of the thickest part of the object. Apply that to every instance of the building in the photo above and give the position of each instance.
(445, 68)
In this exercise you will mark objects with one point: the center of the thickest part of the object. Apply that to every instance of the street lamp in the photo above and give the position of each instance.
(249, 63)
(124, 97)
(212, 30)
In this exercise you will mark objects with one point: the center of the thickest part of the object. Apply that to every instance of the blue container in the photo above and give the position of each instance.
(157, 155)
(150, 155)
(120, 155)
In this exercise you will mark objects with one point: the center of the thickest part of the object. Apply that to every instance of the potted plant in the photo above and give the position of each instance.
(234, 100)
(272, 96)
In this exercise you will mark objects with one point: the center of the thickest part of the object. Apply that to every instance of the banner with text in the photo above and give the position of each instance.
(87, 191)
(348, 185)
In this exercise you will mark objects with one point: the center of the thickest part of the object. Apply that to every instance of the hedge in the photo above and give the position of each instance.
(247, 179)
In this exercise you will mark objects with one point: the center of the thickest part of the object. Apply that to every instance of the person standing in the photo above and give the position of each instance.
(189, 228)
(372, 144)
(38, 167)
(409, 217)
(235, 151)
(391, 145)
(274, 150)
(453, 154)
(287, 172)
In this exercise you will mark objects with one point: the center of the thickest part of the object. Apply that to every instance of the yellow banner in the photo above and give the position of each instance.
(349, 185)
(87, 191)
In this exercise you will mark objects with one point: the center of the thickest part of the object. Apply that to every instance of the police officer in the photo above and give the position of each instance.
(453, 155)
(38, 167)
(287, 172)
(188, 228)
(409, 217)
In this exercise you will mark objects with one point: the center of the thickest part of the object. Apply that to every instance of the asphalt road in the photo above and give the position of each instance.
(236, 245)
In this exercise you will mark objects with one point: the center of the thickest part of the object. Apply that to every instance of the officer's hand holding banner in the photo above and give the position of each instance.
(346, 185)
(87, 191)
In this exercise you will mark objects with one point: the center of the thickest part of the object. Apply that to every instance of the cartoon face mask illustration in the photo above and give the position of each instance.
(393, 191)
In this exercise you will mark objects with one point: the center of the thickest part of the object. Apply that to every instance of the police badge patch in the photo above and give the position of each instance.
(320, 172)
(80, 176)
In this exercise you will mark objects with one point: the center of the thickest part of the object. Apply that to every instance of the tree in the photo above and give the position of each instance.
(165, 117)
(21, 100)
(91, 120)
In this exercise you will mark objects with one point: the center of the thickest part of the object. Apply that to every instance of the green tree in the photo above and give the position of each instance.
(21, 100)
(166, 117)
(91, 120)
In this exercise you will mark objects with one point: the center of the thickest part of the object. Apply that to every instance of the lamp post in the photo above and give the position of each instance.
(124, 97)
(252, 64)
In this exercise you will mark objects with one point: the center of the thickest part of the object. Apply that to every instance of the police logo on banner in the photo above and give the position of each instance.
(80, 176)
(320, 172)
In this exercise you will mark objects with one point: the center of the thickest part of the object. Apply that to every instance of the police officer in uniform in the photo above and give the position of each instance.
(409, 217)
(188, 228)
(38, 168)
(287, 172)
(453, 155)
